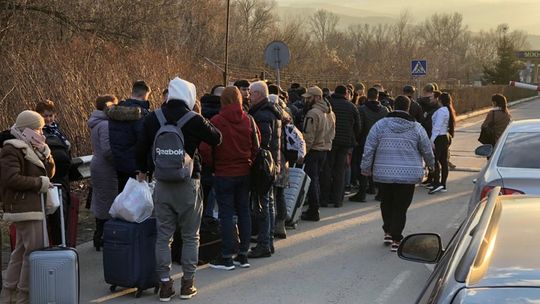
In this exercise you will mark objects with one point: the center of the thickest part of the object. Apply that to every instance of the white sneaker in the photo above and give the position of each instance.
(444, 189)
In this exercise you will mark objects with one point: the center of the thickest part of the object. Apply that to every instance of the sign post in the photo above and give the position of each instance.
(418, 69)
(277, 56)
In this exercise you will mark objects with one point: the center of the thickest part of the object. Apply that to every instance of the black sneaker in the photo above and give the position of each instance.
(310, 216)
(259, 252)
(436, 189)
(387, 239)
(358, 197)
(222, 263)
(188, 289)
(395, 246)
(241, 260)
(166, 290)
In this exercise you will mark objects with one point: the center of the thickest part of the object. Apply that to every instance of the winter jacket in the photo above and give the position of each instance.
(268, 118)
(370, 112)
(61, 153)
(125, 124)
(394, 150)
(347, 122)
(319, 127)
(428, 108)
(236, 153)
(210, 105)
(23, 176)
(415, 110)
(102, 167)
(497, 120)
(440, 121)
(196, 130)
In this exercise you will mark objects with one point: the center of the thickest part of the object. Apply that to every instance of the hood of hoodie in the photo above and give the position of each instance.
(323, 105)
(233, 113)
(96, 117)
(180, 89)
(400, 122)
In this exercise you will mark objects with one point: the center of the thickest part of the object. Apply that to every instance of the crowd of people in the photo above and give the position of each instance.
(350, 139)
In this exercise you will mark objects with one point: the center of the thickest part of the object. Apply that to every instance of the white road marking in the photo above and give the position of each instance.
(393, 287)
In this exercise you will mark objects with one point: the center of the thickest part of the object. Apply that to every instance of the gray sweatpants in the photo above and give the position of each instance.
(177, 204)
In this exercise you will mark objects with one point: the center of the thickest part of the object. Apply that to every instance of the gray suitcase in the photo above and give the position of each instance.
(295, 194)
(54, 271)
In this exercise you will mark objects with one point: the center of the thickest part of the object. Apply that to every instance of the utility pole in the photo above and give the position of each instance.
(226, 71)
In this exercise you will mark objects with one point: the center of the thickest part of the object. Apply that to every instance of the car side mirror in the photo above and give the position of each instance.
(484, 150)
(421, 247)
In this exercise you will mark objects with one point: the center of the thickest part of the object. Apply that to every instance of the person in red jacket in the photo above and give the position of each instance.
(232, 162)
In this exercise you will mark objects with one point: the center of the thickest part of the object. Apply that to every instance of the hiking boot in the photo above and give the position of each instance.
(188, 290)
(395, 246)
(387, 239)
(241, 260)
(310, 216)
(259, 252)
(358, 197)
(166, 290)
(222, 263)
(279, 230)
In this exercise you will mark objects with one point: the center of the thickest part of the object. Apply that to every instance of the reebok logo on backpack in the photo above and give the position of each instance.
(172, 163)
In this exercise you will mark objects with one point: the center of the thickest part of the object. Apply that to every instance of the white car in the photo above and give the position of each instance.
(514, 163)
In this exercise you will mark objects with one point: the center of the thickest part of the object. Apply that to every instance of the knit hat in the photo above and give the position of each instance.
(29, 119)
(180, 89)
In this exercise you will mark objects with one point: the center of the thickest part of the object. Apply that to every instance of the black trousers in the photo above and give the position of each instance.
(440, 174)
(332, 179)
(314, 162)
(395, 200)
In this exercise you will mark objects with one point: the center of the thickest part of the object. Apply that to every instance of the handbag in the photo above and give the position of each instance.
(487, 134)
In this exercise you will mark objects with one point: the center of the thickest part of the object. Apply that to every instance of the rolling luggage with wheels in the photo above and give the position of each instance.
(54, 271)
(129, 258)
(295, 194)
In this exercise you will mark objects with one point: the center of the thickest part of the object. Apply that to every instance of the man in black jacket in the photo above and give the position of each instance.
(347, 134)
(415, 109)
(268, 119)
(177, 203)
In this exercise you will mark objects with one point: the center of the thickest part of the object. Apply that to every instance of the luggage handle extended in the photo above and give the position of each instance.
(46, 242)
(301, 166)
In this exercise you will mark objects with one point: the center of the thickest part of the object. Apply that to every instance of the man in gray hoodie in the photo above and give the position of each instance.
(400, 144)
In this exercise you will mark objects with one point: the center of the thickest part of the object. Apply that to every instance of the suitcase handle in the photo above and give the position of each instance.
(301, 167)
(44, 222)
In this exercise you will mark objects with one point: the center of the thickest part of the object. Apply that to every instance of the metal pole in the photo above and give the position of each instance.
(226, 72)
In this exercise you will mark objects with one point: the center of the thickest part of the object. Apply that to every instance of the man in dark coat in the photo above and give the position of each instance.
(347, 134)
(268, 119)
(415, 110)
(125, 125)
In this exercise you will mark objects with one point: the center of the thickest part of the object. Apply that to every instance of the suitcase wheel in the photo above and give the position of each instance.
(112, 288)
(138, 293)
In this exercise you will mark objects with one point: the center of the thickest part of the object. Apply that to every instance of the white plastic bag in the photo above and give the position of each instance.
(134, 204)
(53, 200)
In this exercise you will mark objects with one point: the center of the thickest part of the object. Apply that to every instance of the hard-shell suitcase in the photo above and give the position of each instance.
(295, 194)
(129, 258)
(54, 271)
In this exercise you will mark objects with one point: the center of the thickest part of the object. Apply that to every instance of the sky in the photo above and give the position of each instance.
(477, 14)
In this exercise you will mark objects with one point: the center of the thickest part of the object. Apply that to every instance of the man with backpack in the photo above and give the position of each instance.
(268, 118)
(172, 135)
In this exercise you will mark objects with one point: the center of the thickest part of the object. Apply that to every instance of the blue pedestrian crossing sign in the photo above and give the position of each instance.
(418, 67)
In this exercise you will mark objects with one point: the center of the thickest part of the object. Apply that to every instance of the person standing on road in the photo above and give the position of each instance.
(498, 118)
(347, 134)
(415, 110)
(444, 121)
(177, 204)
(319, 131)
(393, 155)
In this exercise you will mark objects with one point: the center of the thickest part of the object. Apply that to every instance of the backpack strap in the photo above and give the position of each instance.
(161, 118)
(184, 119)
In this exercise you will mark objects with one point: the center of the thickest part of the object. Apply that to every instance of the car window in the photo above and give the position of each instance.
(520, 150)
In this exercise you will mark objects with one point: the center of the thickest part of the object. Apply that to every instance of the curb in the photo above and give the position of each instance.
(485, 110)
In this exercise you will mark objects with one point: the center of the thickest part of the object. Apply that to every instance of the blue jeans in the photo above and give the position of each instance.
(232, 196)
(264, 205)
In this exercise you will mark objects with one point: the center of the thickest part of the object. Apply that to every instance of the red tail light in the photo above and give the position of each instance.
(504, 191)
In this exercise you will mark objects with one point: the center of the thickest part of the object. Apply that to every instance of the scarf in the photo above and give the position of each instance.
(34, 140)
(53, 129)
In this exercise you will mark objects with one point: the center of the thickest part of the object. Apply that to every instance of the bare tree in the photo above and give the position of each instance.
(323, 24)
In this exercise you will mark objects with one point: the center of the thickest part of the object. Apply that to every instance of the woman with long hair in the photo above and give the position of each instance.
(498, 118)
(443, 123)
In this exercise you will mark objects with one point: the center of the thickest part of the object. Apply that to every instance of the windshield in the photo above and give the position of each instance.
(520, 150)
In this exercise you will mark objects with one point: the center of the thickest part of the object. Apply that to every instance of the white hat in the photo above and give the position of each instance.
(180, 89)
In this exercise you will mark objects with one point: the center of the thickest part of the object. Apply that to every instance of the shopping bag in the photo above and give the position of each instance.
(53, 200)
(134, 204)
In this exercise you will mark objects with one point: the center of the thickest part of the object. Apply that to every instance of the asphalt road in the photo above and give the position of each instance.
(340, 259)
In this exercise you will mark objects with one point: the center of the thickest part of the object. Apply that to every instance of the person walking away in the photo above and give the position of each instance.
(370, 112)
(125, 125)
(393, 155)
(177, 203)
(102, 168)
(498, 117)
(26, 166)
(444, 121)
(232, 162)
(319, 132)
(347, 134)
(268, 117)
(61, 153)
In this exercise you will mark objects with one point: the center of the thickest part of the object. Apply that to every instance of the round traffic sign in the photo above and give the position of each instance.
(277, 54)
